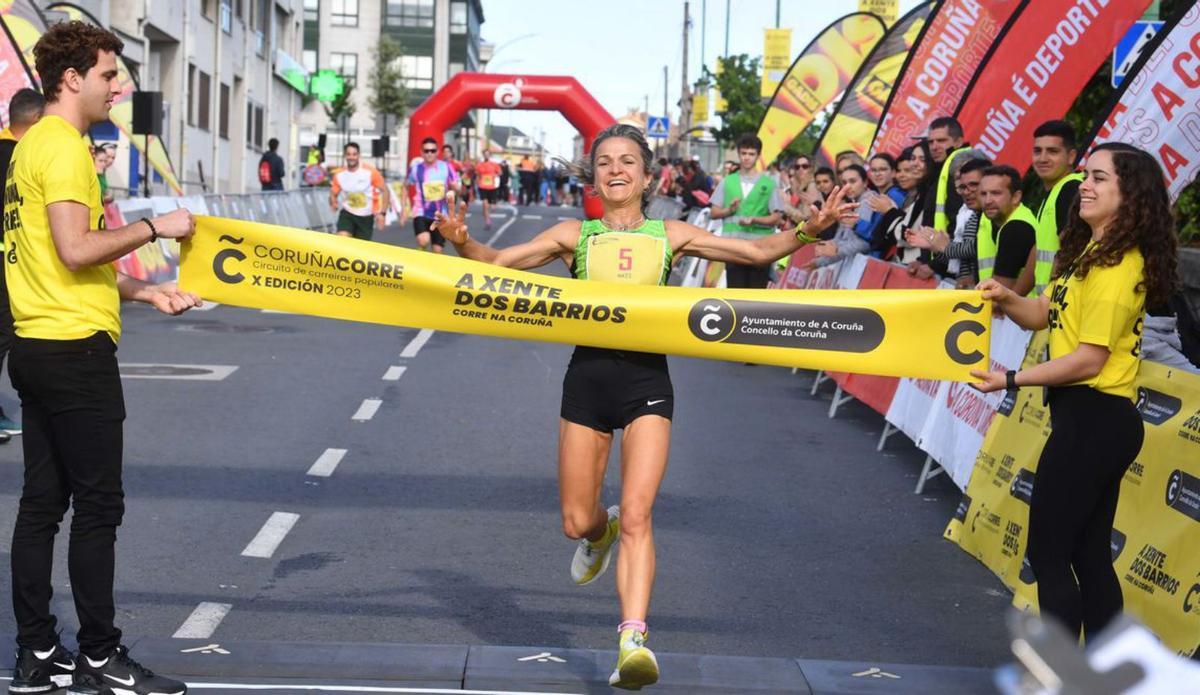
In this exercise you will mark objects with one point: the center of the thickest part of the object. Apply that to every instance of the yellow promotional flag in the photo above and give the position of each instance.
(777, 55)
(921, 333)
(887, 10)
(700, 107)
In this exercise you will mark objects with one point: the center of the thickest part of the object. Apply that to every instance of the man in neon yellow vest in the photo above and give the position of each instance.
(1054, 157)
(946, 145)
(1003, 253)
(750, 203)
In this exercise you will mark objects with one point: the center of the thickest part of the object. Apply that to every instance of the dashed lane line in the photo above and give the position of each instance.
(394, 373)
(271, 535)
(414, 346)
(327, 463)
(367, 410)
(203, 621)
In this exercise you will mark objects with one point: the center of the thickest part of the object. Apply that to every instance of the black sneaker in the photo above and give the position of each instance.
(35, 675)
(120, 675)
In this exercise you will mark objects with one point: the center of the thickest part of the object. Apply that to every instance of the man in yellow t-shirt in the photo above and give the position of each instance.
(65, 296)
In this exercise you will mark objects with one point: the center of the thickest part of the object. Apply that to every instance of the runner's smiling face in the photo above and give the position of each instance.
(351, 154)
(1051, 158)
(99, 86)
(620, 173)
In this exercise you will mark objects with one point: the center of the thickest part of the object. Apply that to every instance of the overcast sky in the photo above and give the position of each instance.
(618, 49)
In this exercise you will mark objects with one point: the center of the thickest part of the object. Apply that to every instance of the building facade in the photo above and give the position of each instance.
(231, 79)
(439, 38)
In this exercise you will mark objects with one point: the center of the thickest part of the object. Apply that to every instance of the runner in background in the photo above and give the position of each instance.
(359, 195)
(432, 179)
(487, 174)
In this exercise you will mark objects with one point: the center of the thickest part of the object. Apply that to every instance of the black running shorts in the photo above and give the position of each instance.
(607, 389)
(490, 196)
(422, 224)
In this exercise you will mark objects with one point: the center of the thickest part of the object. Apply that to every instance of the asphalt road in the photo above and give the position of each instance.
(780, 532)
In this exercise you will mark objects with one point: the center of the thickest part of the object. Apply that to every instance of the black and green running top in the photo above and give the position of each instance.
(640, 256)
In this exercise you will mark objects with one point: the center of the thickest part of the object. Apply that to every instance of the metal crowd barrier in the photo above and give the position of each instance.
(304, 208)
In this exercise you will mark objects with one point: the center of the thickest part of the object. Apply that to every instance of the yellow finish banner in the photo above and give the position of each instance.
(1157, 526)
(919, 333)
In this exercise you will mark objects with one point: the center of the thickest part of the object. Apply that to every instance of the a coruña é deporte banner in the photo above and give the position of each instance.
(924, 334)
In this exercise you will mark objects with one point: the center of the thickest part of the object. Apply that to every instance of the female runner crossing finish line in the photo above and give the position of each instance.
(608, 389)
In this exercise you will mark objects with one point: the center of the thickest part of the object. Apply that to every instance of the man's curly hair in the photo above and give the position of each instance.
(70, 45)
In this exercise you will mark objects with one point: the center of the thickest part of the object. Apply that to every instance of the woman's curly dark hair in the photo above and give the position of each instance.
(1143, 221)
(70, 44)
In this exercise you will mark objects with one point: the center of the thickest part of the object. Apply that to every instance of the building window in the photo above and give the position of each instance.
(312, 10)
(344, 13)
(346, 65)
(410, 13)
(226, 17)
(455, 68)
(458, 17)
(417, 71)
(223, 112)
(309, 58)
(208, 8)
(203, 95)
(191, 86)
(254, 127)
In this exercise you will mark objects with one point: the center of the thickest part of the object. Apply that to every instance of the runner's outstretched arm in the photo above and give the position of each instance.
(554, 243)
(699, 242)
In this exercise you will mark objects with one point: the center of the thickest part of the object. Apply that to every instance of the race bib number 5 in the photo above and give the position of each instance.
(433, 191)
(627, 258)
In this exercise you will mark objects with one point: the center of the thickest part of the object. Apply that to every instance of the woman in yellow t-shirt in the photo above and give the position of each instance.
(1118, 255)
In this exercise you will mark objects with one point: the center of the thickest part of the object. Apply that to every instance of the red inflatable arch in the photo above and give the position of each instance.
(474, 90)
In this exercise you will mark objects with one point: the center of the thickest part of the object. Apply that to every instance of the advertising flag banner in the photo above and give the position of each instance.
(871, 332)
(821, 72)
(852, 127)
(1157, 108)
(777, 51)
(887, 10)
(1038, 69)
(941, 66)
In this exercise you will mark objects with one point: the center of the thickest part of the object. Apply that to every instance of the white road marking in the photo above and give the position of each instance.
(355, 689)
(414, 346)
(206, 306)
(394, 373)
(184, 372)
(564, 218)
(531, 217)
(271, 535)
(326, 463)
(504, 227)
(203, 621)
(367, 410)
(275, 311)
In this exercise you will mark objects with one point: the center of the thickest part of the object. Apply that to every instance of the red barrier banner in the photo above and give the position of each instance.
(1038, 69)
(941, 66)
(856, 119)
(1157, 109)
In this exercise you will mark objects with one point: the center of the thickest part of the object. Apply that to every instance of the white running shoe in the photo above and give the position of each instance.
(636, 665)
(591, 559)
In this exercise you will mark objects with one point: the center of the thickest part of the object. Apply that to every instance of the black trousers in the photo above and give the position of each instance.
(73, 410)
(1094, 438)
(6, 323)
(751, 277)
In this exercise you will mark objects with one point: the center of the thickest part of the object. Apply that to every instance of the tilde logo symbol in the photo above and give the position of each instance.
(225, 254)
(508, 95)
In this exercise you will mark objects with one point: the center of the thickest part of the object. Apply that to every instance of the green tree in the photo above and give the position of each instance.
(342, 109)
(738, 82)
(389, 96)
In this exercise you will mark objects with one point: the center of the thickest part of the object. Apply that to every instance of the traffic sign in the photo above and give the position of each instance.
(326, 85)
(658, 127)
(1130, 48)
